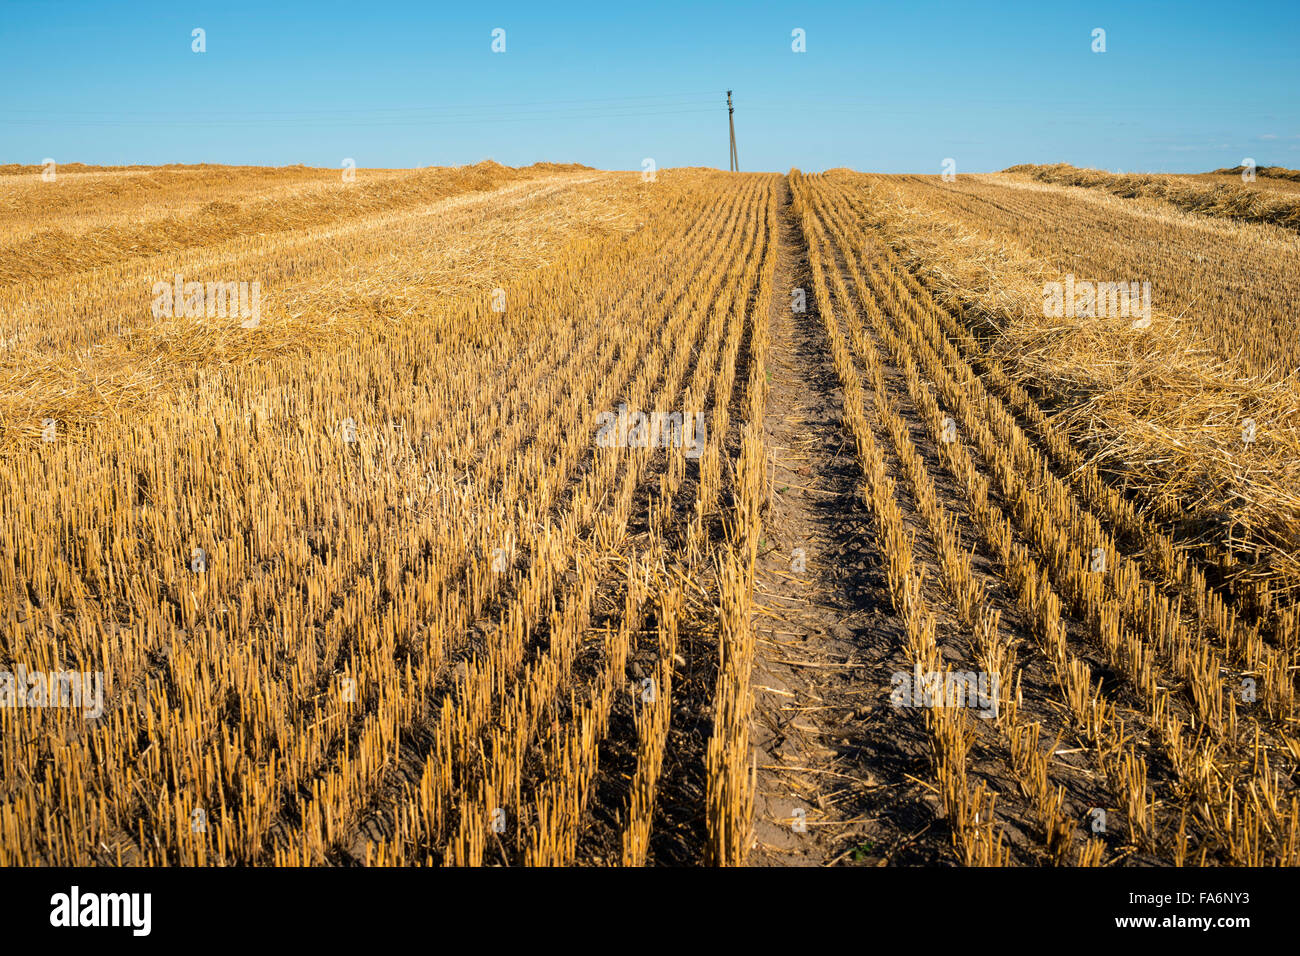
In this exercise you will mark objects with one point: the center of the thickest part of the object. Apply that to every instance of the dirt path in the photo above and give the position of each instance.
(833, 756)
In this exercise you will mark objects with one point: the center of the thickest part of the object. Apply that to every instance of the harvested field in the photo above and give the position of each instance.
(893, 569)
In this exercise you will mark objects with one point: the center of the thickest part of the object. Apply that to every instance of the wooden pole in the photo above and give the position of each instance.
(731, 123)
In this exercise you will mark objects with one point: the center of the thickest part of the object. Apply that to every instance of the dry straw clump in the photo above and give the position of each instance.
(1269, 172)
(1161, 407)
(85, 346)
(1225, 199)
(230, 214)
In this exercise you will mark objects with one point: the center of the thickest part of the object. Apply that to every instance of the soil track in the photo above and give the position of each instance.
(837, 767)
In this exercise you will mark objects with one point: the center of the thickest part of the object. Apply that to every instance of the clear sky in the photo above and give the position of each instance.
(890, 87)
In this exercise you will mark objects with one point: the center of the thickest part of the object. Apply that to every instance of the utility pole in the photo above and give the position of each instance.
(731, 123)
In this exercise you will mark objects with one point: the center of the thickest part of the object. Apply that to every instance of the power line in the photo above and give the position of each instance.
(478, 118)
(615, 102)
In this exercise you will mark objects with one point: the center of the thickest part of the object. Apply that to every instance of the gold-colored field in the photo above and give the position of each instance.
(333, 495)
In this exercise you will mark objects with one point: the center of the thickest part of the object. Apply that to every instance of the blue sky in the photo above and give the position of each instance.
(890, 87)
